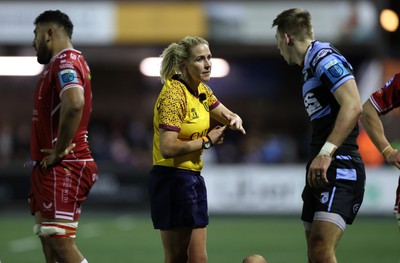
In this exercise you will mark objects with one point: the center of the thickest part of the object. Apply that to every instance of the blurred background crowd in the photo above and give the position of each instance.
(260, 87)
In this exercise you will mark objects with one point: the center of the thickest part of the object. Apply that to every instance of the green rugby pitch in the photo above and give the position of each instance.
(123, 238)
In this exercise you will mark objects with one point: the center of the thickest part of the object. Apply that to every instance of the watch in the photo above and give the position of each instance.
(207, 143)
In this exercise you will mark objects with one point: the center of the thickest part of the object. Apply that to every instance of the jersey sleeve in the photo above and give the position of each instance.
(171, 108)
(333, 70)
(388, 97)
(67, 73)
(213, 102)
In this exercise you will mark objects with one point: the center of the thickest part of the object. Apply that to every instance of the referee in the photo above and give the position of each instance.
(182, 132)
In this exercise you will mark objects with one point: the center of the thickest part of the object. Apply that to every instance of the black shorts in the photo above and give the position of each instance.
(344, 193)
(178, 198)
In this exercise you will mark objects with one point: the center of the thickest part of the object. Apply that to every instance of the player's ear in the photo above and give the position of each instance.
(288, 39)
(50, 34)
(183, 66)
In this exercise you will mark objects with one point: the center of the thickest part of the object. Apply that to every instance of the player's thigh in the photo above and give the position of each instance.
(177, 239)
(325, 234)
(65, 249)
(198, 240)
(197, 248)
(59, 244)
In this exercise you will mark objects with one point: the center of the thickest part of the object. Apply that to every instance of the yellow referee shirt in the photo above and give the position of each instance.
(178, 109)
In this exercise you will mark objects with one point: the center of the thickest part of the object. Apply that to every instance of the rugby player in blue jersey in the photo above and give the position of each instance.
(335, 175)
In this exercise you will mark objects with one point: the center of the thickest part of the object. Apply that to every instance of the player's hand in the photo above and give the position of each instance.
(235, 122)
(217, 135)
(317, 171)
(53, 158)
(394, 158)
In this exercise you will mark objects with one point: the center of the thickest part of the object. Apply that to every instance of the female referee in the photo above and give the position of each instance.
(181, 132)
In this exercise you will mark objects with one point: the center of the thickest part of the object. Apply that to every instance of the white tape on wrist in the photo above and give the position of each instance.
(328, 149)
(387, 151)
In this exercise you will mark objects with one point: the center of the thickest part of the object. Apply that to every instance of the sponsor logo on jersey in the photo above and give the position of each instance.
(336, 71)
(205, 104)
(334, 68)
(67, 76)
(311, 104)
(356, 207)
(379, 92)
(389, 82)
(94, 177)
(48, 206)
(194, 114)
(324, 197)
(66, 65)
(305, 75)
(322, 53)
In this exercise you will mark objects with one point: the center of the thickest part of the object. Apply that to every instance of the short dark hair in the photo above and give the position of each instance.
(296, 22)
(58, 17)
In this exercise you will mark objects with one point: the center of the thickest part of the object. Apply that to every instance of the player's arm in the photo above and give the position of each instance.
(350, 110)
(374, 128)
(72, 103)
(171, 147)
(225, 116)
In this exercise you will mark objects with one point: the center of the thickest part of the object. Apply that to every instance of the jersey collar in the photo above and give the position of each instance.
(64, 50)
(311, 46)
(178, 78)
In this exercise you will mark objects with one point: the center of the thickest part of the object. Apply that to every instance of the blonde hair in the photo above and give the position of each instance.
(174, 56)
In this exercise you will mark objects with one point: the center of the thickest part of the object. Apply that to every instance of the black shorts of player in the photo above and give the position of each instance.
(344, 193)
(178, 198)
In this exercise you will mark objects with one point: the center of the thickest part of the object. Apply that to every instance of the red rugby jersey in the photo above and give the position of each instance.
(68, 69)
(385, 100)
(388, 97)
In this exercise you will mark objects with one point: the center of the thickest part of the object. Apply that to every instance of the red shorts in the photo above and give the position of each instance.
(58, 191)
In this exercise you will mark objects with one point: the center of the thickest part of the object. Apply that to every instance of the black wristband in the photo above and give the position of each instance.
(208, 137)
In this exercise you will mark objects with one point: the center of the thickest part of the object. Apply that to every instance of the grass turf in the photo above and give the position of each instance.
(125, 238)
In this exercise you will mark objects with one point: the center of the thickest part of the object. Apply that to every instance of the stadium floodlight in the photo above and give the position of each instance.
(150, 67)
(389, 20)
(19, 66)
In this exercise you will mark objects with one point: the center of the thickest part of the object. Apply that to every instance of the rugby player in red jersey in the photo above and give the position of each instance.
(63, 168)
(381, 102)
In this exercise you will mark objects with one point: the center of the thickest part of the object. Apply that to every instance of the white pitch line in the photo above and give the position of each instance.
(89, 230)
(125, 222)
(24, 244)
(31, 243)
